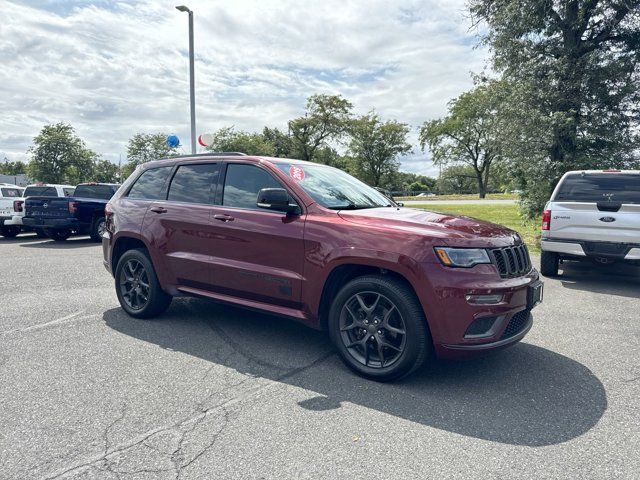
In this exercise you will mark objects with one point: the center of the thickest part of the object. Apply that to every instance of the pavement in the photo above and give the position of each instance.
(209, 391)
(409, 203)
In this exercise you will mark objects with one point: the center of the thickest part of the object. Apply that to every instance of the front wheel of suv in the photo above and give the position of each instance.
(137, 286)
(549, 262)
(379, 329)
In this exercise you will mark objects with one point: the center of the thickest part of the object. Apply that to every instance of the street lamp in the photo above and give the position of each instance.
(192, 87)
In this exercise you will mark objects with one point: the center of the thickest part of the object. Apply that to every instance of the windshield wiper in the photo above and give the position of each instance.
(353, 206)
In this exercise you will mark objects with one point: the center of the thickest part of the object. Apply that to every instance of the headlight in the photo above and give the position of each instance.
(462, 257)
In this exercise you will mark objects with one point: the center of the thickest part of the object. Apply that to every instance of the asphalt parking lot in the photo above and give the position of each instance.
(210, 391)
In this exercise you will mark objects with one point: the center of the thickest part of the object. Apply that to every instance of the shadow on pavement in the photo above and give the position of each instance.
(525, 395)
(70, 243)
(619, 279)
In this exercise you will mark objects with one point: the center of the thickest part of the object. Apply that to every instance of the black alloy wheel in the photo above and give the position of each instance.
(379, 328)
(134, 284)
(372, 329)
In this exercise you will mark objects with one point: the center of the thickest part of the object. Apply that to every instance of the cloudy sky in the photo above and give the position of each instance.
(112, 69)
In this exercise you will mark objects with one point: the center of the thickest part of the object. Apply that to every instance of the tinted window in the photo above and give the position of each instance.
(68, 192)
(604, 187)
(242, 184)
(40, 192)
(193, 183)
(150, 185)
(102, 192)
(11, 192)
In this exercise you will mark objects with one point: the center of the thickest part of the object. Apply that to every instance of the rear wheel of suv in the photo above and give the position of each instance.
(137, 286)
(58, 235)
(97, 229)
(9, 231)
(379, 328)
(549, 262)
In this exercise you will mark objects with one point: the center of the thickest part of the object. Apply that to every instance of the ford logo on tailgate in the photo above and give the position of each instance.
(607, 219)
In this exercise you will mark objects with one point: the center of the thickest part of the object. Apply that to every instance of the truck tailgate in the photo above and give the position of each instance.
(584, 221)
(47, 207)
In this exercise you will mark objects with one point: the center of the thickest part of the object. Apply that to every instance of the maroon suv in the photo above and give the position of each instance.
(392, 285)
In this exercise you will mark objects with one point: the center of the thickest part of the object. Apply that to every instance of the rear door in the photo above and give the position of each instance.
(258, 253)
(181, 225)
(597, 207)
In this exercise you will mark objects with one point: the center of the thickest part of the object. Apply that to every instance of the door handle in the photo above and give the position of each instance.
(158, 209)
(223, 217)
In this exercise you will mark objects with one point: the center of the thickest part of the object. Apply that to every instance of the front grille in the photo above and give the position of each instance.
(512, 261)
(517, 323)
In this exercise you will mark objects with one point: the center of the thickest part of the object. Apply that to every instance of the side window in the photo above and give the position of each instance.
(194, 183)
(150, 185)
(242, 184)
(68, 192)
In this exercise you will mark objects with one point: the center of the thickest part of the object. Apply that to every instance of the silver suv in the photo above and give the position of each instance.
(592, 214)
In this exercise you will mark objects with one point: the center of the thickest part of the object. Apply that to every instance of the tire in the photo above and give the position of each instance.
(58, 235)
(97, 228)
(9, 231)
(133, 272)
(41, 233)
(360, 351)
(549, 262)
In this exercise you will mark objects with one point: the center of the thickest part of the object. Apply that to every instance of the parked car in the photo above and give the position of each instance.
(38, 189)
(82, 214)
(592, 215)
(8, 195)
(310, 242)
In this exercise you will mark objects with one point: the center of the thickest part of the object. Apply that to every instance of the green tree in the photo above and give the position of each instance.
(327, 118)
(573, 68)
(58, 155)
(375, 146)
(457, 179)
(470, 134)
(229, 140)
(13, 168)
(282, 143)
(105, 172)
(144, 147)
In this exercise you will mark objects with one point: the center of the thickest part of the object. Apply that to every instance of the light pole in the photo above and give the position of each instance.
(192, 85)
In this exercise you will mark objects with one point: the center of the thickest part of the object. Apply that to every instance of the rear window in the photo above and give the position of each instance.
(11, 192)
(150, 185)
(102, 192)
(600, 187)
(40, 192)
(193, 183)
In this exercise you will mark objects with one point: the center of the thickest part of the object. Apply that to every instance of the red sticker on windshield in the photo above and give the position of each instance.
(296, 173)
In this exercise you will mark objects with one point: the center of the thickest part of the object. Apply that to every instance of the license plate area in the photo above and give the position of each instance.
(535, 294)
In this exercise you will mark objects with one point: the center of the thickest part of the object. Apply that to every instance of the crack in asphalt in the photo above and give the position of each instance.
(53, 323)
(182, 428)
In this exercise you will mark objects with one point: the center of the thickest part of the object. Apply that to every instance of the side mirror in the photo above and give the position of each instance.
(276, 199)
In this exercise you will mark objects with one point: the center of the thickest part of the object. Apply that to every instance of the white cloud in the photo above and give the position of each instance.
(114, 69)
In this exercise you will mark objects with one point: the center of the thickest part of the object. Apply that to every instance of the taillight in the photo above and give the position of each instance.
(18, 205)
(546, 220)
(73, 207)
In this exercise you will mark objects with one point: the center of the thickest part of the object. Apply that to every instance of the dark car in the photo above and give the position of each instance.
(83, 213)
(310, 242)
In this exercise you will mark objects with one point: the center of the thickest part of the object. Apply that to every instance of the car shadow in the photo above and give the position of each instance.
(73, 242)
(525, 395)
(622, 280)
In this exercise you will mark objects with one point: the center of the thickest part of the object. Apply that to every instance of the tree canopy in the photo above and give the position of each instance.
(144, 147)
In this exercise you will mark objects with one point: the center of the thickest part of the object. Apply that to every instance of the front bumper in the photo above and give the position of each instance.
(579, 248)
(453, 319)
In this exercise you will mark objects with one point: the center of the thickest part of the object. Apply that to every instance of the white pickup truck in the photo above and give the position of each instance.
(8, 195)
(593, 214)
(12, 204)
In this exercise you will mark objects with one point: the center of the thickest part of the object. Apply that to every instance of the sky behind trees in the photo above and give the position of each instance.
(115, 69)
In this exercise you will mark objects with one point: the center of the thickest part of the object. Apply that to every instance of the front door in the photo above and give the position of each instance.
(259, 253)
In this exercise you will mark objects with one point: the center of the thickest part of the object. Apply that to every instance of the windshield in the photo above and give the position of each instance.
(600, 187)
(333, 188)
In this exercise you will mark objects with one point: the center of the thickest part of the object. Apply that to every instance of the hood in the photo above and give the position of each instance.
(453, 230)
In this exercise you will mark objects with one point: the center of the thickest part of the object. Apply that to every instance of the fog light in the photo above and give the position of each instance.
(484, 299)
